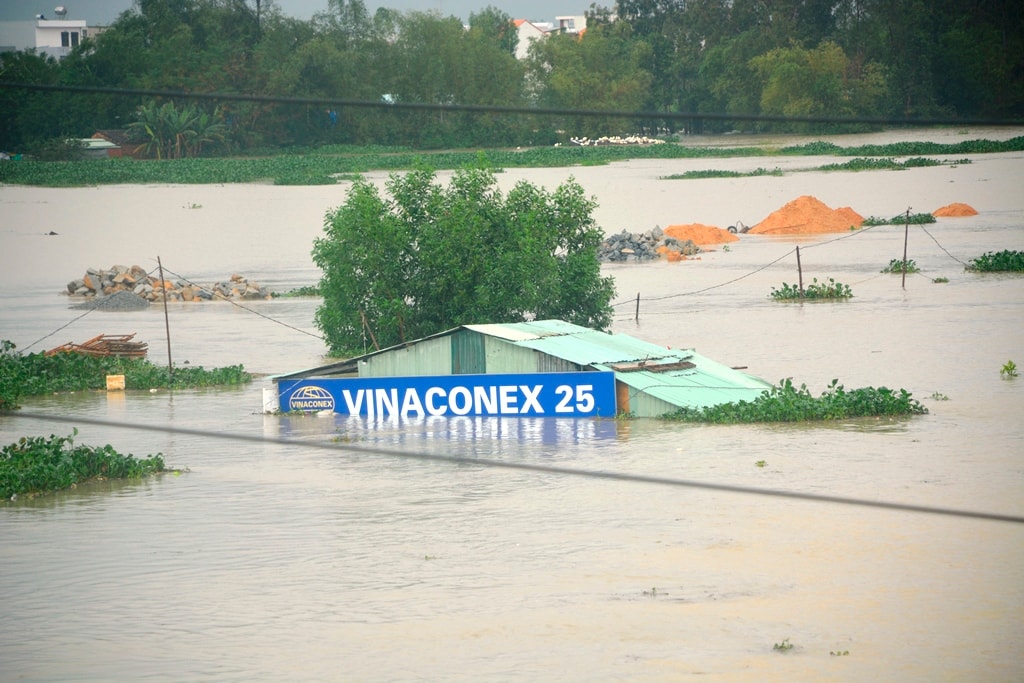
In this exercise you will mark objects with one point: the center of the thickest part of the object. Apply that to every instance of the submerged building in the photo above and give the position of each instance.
(540, 368)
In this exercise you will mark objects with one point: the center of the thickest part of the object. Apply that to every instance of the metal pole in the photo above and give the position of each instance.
(636, 317)
(799, 273)
(906, 237)
(167, 323)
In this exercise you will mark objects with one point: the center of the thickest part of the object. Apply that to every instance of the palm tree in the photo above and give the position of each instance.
(172, 133)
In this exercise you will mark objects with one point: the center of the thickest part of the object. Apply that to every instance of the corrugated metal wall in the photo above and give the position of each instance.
(428, 357)
(468, 354)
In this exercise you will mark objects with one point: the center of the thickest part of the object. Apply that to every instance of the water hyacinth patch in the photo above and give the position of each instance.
(37, 464)
(788, 403)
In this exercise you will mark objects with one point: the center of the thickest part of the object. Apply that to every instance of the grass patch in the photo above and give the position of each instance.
(998, 262)
(34, 465)
(788, 403)
(816, 290)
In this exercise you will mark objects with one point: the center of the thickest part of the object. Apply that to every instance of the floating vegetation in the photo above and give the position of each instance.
(330, 164)
(816, 290)
(902, 219)
(36, 465)
(37, 373)
(711, 173)
(305, 290)
(998, 262)
(898, 265)
(1009, 370)
(788, 403)
(784, 646)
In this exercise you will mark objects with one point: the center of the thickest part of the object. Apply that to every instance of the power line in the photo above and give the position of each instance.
(532, 467)
(497, 109)
(246, 308)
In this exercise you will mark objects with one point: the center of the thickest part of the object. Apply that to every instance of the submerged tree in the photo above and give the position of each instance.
(433, 257)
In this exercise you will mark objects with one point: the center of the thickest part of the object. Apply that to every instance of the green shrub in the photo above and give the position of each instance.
(787, 403)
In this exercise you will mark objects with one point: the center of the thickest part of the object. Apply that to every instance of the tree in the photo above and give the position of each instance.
(172, 133)
(819, 82)
(497, 26)
(433, 257)
(601, 69)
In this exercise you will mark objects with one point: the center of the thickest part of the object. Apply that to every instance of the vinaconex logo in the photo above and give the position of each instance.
(311, 398)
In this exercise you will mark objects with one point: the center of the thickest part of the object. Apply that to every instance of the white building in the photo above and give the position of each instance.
(572, 24)
(530, 31)
(58, 37)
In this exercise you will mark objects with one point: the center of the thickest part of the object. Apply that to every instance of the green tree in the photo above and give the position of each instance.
(169, 132)
(601, 69)
(27, 116)
(818, 83)
(432, 257)
(497, 26)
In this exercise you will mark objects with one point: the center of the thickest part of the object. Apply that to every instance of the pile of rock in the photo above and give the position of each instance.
(645, 246)
(135, 280)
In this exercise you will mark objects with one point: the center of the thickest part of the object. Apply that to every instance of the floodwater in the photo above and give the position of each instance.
(316, 561)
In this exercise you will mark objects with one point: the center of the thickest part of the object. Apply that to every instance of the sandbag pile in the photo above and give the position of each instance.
(135, 280)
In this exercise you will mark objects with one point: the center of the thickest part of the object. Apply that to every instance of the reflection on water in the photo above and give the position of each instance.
(413, 431)
(287, 562)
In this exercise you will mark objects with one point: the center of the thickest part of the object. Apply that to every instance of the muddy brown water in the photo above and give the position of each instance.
(268, 562)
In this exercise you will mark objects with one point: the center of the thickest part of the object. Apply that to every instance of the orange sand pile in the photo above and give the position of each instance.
(955, 209)
(808, 215)
(700, 234)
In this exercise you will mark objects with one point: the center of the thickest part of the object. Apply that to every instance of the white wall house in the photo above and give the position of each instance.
(572, 24)
(57, 37)
(530, 31)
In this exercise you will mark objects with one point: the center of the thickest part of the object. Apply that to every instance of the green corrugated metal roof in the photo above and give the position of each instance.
(707, 383)
(581, 345)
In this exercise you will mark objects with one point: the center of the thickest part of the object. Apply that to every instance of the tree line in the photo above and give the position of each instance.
(900, 59)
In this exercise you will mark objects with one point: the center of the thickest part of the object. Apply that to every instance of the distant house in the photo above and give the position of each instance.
(55, 37)
(120, 144)
(546, 368)
(529, 31)
(572, 24)
(94, 148)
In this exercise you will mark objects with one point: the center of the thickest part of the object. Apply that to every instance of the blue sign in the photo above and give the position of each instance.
(542, 394)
